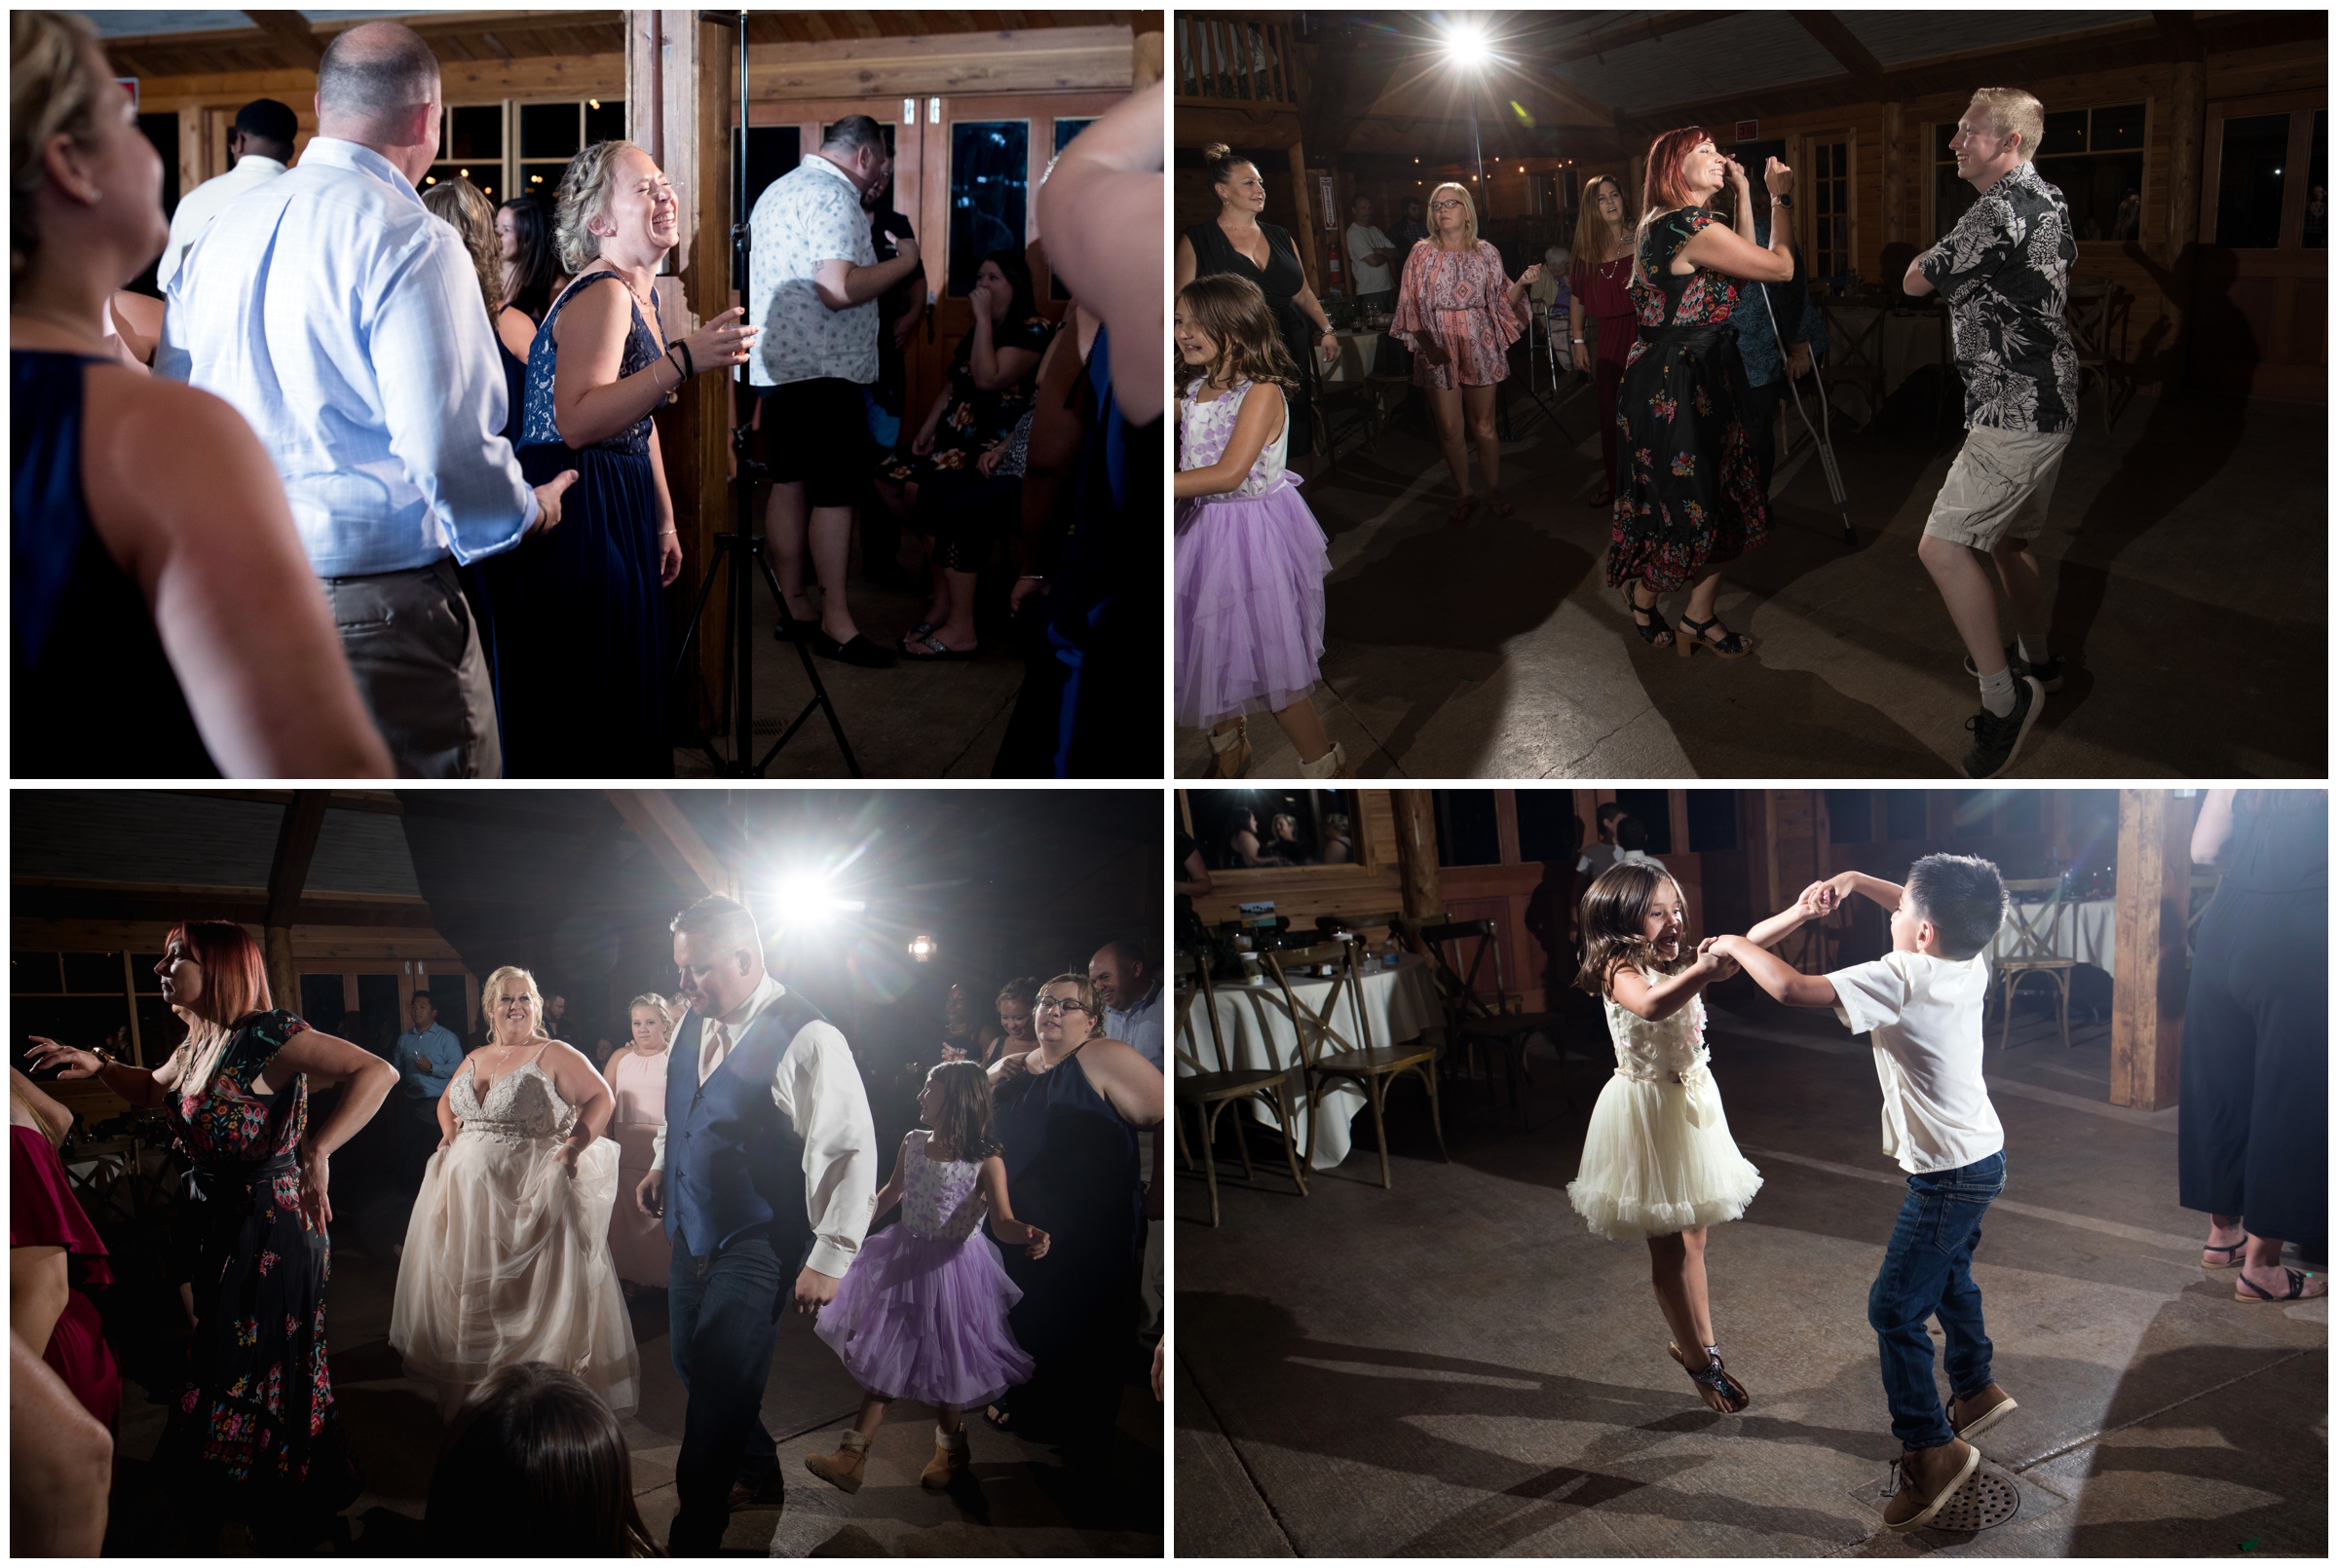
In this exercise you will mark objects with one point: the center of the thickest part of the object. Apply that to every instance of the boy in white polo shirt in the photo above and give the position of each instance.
(1921, 1005)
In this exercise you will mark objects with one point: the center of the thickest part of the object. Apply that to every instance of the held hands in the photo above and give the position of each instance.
(650, 1195)
(548, 501)
(1777, 176)
(1714, 960)
(75, 1061)
(722, 341)
(813, 1289)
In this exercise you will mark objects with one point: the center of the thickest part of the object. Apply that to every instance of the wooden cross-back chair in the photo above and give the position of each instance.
(1331, 1057)
(1209, 1089)
(2090, 303)
(2032, 925)
(1499, 1022)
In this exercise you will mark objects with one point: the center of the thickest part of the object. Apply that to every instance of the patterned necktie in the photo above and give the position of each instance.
(712, 1049)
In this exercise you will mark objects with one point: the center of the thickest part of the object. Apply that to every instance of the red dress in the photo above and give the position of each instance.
(42, 1212)
(1461, 298)
(1604, 288)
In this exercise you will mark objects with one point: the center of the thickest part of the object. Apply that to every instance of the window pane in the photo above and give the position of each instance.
(322, 1004)
(35, 972)
(77, 1021)
(2117, 128)
(476, 131)
(1066, 129)
(488, 176)
(990, 172)
(99, 972)
(1850, 816)
(1712, 820)
(143, 975)
(1942, 135)
(2104, 193)
(160, 1029)
(1653, 809)
(2065, 133)
(1465, 829)
(2317, 185)
(547, 131)
(2249, 185)
(604, 119)
(378, 1021)
(1547, 828)
(542, 179)
(1904, 817)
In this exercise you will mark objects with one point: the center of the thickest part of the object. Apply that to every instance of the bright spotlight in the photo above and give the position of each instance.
(922, 949)
(1466, 47)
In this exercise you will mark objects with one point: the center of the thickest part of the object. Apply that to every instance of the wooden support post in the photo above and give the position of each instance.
(1305, 232)
(1416, 853)
(287, 874)
(2154, 903)
(1896, 225)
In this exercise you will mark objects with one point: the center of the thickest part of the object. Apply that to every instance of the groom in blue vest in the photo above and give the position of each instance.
(765, 1172)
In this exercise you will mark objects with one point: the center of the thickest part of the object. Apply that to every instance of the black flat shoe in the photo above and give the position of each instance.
(860, 651)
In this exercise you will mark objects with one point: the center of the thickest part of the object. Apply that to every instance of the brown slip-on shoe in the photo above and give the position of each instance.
(1970, 1418)
(1928, 1479)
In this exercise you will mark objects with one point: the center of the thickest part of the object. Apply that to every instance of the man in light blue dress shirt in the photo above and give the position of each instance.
(1132, 998)
(342, 319)
(428, 1055)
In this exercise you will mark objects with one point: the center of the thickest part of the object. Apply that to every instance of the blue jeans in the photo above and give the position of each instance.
(1927, 1271)
(723, 1313)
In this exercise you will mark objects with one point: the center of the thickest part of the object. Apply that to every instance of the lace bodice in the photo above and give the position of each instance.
(1204, 428)
(940, 1201)
(541, 425)
(521, 1106)
(1657, 1051)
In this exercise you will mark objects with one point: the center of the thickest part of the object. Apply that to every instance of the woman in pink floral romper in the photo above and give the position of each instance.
(1458, 314)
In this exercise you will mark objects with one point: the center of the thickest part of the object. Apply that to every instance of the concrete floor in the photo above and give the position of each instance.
(1020, 1499)
(1455, 1366)
(2185, 553)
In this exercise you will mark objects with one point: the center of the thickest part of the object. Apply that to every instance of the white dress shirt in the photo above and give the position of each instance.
(1923, 1015)
(200, 205)
(342, 319)
(1362, 241)
(818, 1088)
(809, 215)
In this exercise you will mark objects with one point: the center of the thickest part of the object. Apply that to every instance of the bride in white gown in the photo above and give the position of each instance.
(507, 1257)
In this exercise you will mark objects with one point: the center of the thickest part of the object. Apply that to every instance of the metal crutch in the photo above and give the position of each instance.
(1821, 433)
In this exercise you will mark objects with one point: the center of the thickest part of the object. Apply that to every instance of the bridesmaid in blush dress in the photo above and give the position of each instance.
(637, 1077)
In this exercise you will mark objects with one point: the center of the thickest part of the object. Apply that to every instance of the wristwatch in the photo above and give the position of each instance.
(1786, 200)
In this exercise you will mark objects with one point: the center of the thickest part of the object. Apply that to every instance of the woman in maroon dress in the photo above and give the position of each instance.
(1598, 286)
(252, 1434)
(54, 1256)
(1459, 313)
(1689, 496)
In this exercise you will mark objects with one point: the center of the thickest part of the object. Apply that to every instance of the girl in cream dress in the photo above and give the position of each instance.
(507, 1257)
(1658, 1162)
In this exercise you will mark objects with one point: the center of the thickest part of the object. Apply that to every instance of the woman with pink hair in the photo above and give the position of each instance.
(1688, 498)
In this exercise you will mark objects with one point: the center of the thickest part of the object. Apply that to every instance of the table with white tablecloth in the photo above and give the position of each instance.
(1359, 352)
(2084, 930)
(1399, 1005)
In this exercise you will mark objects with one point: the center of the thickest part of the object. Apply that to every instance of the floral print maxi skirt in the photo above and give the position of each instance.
(1689, 495)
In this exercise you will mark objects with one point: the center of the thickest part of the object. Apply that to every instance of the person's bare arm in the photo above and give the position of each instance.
(1817, 900)
(1101, 215)
(2213, 832)
(138, 322)
(993, 1180)
(590, 400)
(186, 501)
(1638, 995)
(841, 284)
(325, 1060)
(448, 1126)
(37, 1288)
(1196, 879)
(1874, 889)
(60, 1461)
(1725, 251)
(1132, 1085)
(137, 1085)
(55, 1120)
(1254, 425)
(1913, 283)
(517, 332)
(582, 1085)
(1776, 976)
(670, 538)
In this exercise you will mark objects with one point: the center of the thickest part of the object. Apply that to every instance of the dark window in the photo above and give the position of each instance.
(1466, 835)
(321, 1005)
(772, 151)
(604, 119)
(2249, 182)
(99, 972)
(1850, 816)
(2065, 133)
(1830, 209)
(446, 994)
(2116, 127)
(549, 130)
(1712, 820)
(142, 976)
(163, 130)
(1904, 816)
(1548, 832)
(34, 971)
(79, 1021)
(1655, 809)
(989, 177)
(476, 132)
(378, 1022)
(160, 1029)
(487, 175)
(2317, 185)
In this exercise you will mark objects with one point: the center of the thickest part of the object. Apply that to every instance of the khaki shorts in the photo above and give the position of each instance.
(1998, 487)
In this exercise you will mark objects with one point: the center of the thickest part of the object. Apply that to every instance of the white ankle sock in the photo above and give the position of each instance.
(1997, 692)
(2033, 649)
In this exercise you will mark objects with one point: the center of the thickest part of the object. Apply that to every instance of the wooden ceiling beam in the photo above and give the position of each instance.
(2183, 39)
(296, 42)
(659, 824)
(1644, 31)
(1866, 71)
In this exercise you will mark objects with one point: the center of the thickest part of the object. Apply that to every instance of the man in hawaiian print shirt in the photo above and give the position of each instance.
(2005, 273)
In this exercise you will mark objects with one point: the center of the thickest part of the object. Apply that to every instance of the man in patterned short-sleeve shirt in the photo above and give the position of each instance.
(2004, 271)
(813, 278)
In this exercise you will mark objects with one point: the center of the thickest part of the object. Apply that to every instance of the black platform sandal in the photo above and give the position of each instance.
(1728, 646)
(1651, 631)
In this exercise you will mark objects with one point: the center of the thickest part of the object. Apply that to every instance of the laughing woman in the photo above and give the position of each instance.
(578, 613)
(1688, 498)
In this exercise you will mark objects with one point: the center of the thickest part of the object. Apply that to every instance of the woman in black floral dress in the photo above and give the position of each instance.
(1691, 501)
(252, 1434)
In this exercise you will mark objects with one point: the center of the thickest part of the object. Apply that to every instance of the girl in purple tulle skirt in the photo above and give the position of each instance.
(1250, 556)
(922, 1313)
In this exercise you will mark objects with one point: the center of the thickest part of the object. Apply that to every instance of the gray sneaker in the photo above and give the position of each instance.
(2048, 673)
(1996, 741)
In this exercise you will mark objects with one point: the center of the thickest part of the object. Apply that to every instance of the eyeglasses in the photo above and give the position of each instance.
(1440, 207)
(1057, 1004)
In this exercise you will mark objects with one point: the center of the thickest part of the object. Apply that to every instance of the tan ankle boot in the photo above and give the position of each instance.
(1971, 1417)
(948, 1457)
(843, 1468)
(1231, 751)
(1928, 1479)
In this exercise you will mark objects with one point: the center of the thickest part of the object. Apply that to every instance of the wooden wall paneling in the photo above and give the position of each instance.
(1038, 59)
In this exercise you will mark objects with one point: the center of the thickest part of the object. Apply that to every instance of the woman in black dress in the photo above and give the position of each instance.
(1243, 244)
(1688, 495)
(2252, 1147)
(252, 1434)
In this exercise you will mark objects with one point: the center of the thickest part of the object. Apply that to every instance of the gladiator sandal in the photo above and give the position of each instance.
(1714, 1376)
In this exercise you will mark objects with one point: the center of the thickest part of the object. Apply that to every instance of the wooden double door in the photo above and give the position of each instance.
(966, 175)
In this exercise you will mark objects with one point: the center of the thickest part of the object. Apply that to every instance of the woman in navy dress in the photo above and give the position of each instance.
(156, 576)
(578, 613)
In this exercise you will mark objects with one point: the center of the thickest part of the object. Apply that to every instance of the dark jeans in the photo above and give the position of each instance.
(1760, 410)
(1928, 1271)
(723, 1313)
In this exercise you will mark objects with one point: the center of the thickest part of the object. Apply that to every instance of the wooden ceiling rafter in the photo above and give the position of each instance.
(1646, 30)
(296, 42)
(1866, 71)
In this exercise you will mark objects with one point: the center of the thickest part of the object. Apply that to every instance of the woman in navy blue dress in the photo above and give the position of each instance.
(578, 613)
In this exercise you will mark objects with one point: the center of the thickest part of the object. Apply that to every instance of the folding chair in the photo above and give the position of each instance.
(1331, 1055)
(1855, 358)
(2032, 925)
(1498, 1020)
(1209, 1092)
